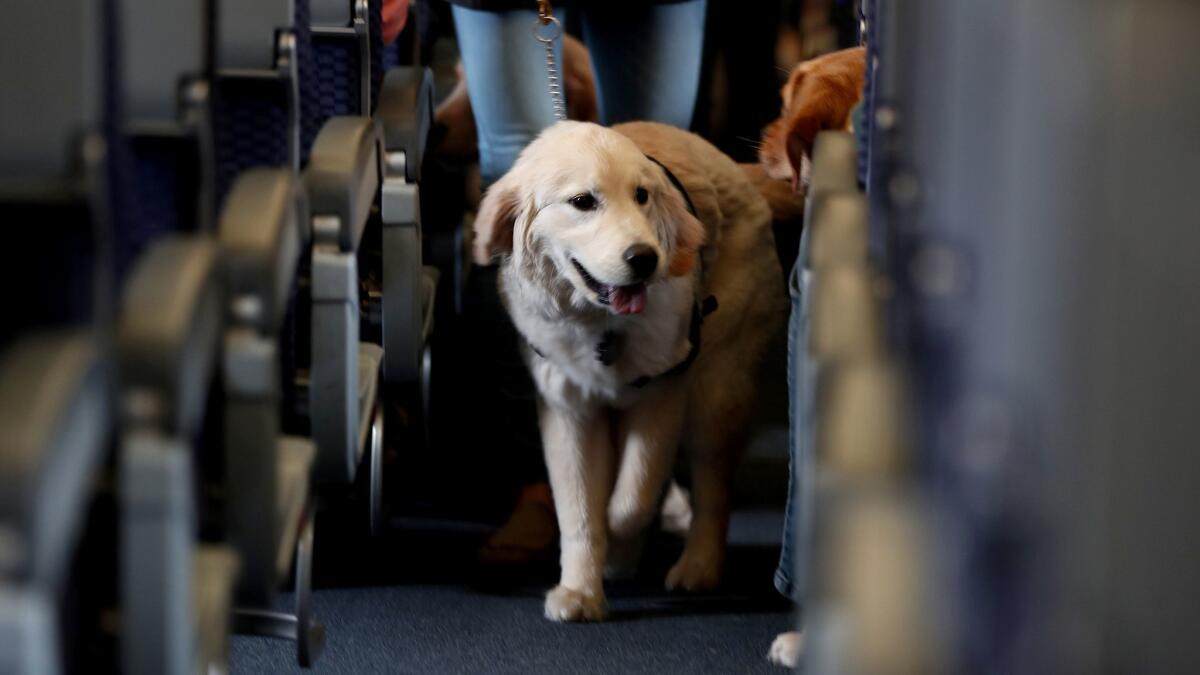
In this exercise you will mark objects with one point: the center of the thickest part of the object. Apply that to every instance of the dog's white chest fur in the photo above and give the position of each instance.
(566, 366)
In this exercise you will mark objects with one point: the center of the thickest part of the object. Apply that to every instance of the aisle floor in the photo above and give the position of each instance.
(413, 609)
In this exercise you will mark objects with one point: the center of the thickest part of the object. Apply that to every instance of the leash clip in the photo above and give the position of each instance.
(547, 38)
(555, 30)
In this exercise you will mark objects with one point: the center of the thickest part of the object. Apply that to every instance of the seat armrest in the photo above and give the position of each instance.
(405, 111)
(342, 179)
(294, 457)
(263, 230)
(217, 569)
(55, 418)
(834, 162)
(168, 334)
(29, 631)
(839, 230)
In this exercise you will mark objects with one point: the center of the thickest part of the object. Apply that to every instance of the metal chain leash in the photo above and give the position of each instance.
(546, 19)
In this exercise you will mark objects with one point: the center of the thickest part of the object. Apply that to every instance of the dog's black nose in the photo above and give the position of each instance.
(642, 260)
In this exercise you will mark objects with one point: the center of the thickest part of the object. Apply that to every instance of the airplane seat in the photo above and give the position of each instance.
(880, 122)
(342, 179)
(342, 175)
(263, 130)
(342, 57)
(263, 53)
(168, 347)
(55, 404)
(372, 297)
(176, 588)
(849, 478)
(344, 54)
(263, 230)
(832, 181)
(405, 112)
(56, 366)
(868, 38)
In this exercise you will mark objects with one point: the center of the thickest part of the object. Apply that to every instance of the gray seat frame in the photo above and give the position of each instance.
(264, 229)
(168, 345)
(405, 115)
(343, 178)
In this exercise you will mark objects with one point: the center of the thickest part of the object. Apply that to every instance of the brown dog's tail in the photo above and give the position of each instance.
(787, 205)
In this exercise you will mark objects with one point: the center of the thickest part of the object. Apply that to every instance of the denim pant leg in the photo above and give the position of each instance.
(506, 77)
(790, 577)
(646, 60)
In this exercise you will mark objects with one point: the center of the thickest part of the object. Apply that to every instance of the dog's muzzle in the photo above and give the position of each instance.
(630, 299)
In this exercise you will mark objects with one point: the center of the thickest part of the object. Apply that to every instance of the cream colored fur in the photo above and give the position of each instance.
(609, 446)
(785, 650)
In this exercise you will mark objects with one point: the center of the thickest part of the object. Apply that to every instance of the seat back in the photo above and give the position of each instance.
(167, 65)
(341, 43)
(59, 168)
(263, 57)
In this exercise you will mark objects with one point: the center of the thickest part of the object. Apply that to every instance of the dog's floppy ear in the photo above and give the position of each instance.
(495, 222)
(688, 231)
(821, 95)
(815, 114)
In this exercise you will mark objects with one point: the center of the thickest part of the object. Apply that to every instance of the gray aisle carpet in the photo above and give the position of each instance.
(413, 609)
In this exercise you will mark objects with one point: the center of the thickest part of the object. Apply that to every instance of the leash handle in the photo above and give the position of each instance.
(546, 30)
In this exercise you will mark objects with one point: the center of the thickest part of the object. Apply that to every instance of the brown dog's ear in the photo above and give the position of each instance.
(823, 95)
(800, 142)
(828, 107)
(688, 230)
(687, 247)
(494, 224)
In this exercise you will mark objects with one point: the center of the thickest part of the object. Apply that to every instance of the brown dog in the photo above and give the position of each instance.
(819, 95)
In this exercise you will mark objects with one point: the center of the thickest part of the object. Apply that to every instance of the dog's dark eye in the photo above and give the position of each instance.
(583, 202)
(641, 195)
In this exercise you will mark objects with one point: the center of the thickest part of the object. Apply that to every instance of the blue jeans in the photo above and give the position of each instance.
(791, 575)
(646, 62)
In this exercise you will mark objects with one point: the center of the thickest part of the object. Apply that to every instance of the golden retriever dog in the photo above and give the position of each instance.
(638, 263)
(820, 94)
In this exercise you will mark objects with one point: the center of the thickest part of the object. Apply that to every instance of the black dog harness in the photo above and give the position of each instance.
(678, 185)
(609, 347)
(699, 311)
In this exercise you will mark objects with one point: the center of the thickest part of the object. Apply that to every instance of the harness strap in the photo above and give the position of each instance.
(699, 311)
(678, 185)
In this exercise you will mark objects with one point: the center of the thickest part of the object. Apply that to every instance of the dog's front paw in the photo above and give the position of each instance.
(785, 650)
(694, 573)
(568, 604)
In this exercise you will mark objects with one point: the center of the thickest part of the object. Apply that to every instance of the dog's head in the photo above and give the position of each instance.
(583, 206)
(820, 94)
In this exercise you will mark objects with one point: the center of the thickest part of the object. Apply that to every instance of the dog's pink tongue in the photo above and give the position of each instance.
(628, 299)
